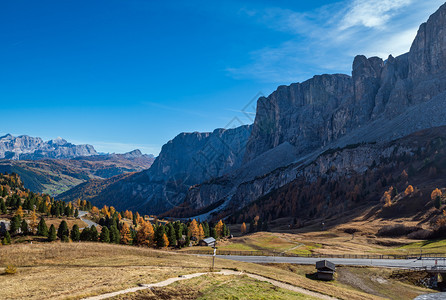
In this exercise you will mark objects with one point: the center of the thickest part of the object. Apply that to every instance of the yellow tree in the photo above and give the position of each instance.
(95, 211)
(145, 234)
(436, 193)
(200, 232)
(119, 217)
(243, 228)
(19, 212)
(219, 229)
(78, 202)
(112, 210)
(126, 237)
(33, 224)
(193, 229)
(166, 241)
(409, 190)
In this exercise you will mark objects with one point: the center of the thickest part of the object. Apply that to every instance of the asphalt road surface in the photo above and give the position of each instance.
(86, 221)
(390, 263)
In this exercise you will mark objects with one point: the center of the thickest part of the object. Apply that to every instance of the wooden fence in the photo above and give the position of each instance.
(313, 255)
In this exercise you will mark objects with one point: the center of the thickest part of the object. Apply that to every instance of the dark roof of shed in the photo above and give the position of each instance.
(322, 264)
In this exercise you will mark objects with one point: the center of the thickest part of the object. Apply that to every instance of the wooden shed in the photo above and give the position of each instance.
(325, 270)
(210, 242)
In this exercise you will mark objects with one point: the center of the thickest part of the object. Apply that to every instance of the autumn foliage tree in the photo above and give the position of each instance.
(126, 236)
(436, 197)
(145, 234)
(219, 229)
(409, 190)
(243, 228)
(193, 229)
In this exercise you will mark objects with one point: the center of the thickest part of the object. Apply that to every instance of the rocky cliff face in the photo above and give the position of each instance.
(312, 114)
(26, 147)
(381, 101)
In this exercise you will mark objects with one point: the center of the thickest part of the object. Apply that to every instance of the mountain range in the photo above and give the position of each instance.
(296, 131)
(56, 166)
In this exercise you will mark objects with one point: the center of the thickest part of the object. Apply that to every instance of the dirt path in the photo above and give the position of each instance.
(222, 272)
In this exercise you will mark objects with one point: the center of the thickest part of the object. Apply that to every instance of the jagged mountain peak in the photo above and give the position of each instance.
(27, 147)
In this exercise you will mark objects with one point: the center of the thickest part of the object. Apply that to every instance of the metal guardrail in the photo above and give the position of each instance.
(312, 255)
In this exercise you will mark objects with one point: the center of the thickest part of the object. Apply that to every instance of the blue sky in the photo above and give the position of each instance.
(133, 74)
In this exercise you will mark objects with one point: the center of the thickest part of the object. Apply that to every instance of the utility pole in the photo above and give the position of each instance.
(213, 256)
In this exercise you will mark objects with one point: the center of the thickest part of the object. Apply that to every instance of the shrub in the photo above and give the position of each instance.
(397, 230)
(10, 270)
(421, 234)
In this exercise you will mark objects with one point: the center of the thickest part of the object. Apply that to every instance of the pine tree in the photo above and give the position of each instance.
(159, 236)
(76, 213)
(172, 236)
(126, 238)
(24, 227)
(8, 238)
(42, 229)
(75, 233)
(63, 229)
(2, 206)
(105, 235)
(94, 235)
(52, 233)
(213, 233)
(85, 234)
(115, 235)
(14, 226)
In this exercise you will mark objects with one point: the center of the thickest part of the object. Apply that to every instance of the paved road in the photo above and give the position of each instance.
(391, 263)
(86, 221)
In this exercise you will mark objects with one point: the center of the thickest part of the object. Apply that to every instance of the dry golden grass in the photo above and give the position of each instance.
(75, 270)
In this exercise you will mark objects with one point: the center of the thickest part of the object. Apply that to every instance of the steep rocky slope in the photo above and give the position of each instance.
(26, 147)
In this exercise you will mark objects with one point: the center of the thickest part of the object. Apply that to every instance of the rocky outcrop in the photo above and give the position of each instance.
(312, 114)
(26, 147)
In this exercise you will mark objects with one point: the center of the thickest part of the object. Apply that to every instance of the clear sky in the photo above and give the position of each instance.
(133, 74)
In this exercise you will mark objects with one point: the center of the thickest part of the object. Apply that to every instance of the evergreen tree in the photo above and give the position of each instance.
(24, 227)
(63, 229)
(172, 236)
(65, 239)
(159, 236)
(105, 235)
(85, 234)
(14, 224)
(7, 239)
(187, 241)
(94, 235)
(75, 233)
(76, 213)
(52, 233)
(2, 206)
(213, 232)
(115, 235)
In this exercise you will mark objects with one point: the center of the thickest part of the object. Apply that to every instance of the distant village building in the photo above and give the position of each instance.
(210, 242)
(325, 270)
